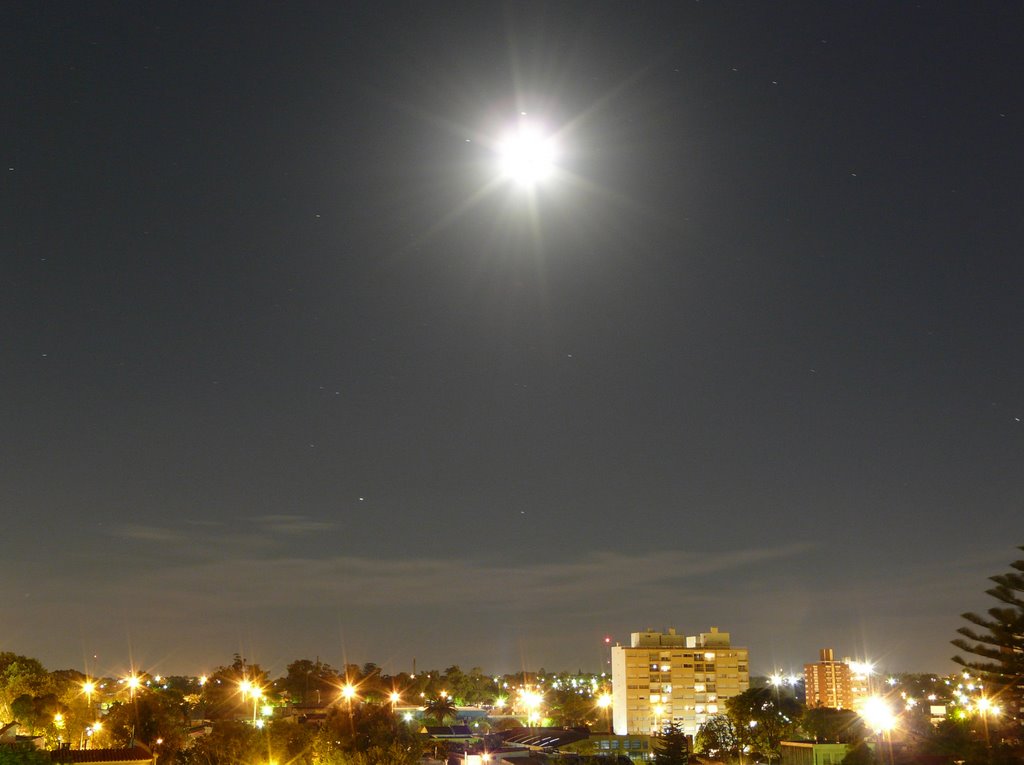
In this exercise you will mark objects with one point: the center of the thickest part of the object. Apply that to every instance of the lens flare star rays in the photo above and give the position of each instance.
(515, 167)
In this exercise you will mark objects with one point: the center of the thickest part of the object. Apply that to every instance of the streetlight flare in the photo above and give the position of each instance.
(877, 713)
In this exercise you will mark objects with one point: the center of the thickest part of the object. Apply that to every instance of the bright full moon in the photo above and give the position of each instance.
(527, 156)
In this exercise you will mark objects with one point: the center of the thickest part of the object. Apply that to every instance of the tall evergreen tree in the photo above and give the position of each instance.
(671, 746)
(999, 642)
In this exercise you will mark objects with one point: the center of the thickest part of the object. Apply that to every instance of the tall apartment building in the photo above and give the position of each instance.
(662, 677)
(829, 683)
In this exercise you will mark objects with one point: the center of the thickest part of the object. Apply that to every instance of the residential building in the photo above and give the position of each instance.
(807, 753)
(664, 677)
(844, 684)
(829, 683)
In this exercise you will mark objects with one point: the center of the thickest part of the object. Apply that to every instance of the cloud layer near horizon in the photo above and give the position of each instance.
(260, 585)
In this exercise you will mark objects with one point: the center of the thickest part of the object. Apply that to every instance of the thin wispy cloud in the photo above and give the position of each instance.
(255, 533)
(291, 524)
(143, 533)
(362, 581)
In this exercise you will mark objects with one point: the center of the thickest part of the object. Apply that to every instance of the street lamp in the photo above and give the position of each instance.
(257, 694)
(604, 701)
(985, 708)
(348, 692)
(879, 716)
(133, 682)
(249, 689)
(92, 730)
(531, 701)
(88, 688)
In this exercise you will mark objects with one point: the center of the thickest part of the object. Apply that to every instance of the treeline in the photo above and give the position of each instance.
(158, 711)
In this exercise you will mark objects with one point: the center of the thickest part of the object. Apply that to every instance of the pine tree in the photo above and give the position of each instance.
(671, 746)
(999, 643)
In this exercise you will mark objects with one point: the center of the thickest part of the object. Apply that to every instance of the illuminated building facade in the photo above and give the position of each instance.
(829, 683)
(664, 677)
(845, 684)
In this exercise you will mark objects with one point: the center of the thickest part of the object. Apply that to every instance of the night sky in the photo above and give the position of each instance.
(287, 370)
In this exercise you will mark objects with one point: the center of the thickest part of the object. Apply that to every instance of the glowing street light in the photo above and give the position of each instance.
(531, 701)
(251, 690)
(88, 688)
(604, 701)
(348, 692)
(879, 717)
(90, 731)
(257, 694)
(877, 713)
(659, 712)
(133, 682)
(985, 708)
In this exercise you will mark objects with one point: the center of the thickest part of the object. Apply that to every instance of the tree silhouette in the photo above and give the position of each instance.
(441, 708)
(717, 738)
(999, 643)
(671, 746)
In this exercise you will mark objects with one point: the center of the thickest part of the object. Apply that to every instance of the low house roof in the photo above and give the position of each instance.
(542, 738)
(138, 754)
(449, 731)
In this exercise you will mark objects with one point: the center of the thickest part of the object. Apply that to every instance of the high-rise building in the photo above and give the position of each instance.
(829, 683)
(664, 677)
